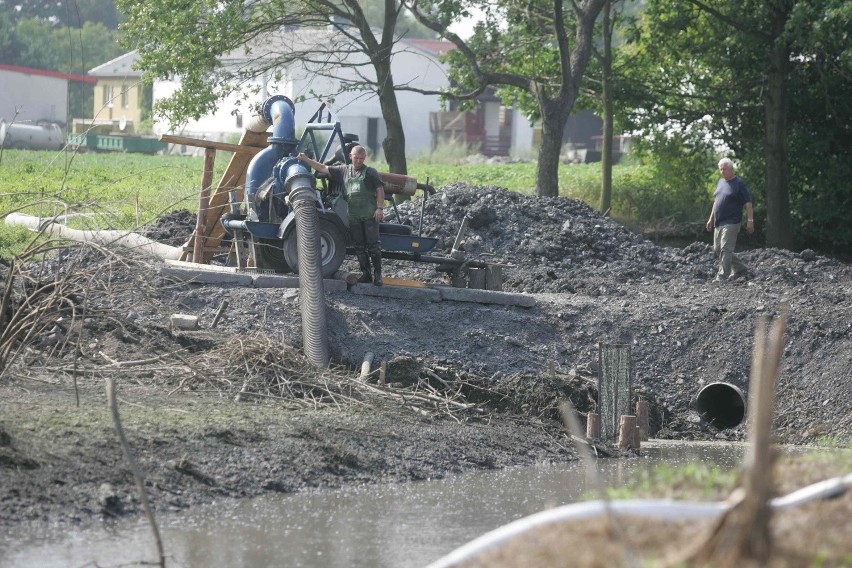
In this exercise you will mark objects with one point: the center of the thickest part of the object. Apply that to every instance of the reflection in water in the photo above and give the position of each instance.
(395, 526)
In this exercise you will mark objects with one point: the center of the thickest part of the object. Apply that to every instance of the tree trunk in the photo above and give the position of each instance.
(606, 76)
(553, 118)
(394, 143)
(776, 107)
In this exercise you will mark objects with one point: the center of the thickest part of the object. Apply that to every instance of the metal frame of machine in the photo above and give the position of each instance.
(266, 228)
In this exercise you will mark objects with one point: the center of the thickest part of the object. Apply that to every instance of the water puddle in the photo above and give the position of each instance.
(398, 526)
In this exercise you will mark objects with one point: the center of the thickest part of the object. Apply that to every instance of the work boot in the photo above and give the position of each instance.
(376, 257)
(364, 263)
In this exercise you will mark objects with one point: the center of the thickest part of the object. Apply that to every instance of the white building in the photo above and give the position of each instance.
(415, 63)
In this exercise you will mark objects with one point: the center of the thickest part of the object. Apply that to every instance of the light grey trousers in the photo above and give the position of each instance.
(724, 242)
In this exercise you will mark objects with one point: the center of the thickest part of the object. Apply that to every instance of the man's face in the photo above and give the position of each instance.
(727, 171)
(357, 159)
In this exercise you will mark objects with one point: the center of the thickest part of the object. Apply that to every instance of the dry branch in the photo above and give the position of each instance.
(134, 468)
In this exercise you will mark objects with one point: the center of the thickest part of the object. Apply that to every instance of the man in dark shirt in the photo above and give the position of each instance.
(725, 218)
(364, 192)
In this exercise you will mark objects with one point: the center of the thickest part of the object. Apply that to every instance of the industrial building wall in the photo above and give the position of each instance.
(38, 98)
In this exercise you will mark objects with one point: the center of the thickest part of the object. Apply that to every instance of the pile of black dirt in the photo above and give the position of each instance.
(173, 228)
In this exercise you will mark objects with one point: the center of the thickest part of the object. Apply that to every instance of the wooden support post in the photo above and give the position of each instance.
(642, 419)
(203, 205)
(222, 307)
(637, 437)
(626, 431)
(476, 278)
(494, 278)
(593, 426)
(383, 370)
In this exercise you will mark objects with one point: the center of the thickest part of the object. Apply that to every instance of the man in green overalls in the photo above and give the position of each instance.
(364, 191)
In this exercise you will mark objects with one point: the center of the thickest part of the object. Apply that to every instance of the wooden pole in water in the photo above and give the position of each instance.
(642, 419)
(626, 431)
(593, 426)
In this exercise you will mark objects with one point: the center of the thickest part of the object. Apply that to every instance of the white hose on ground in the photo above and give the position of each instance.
(665, 509)
(124, 239)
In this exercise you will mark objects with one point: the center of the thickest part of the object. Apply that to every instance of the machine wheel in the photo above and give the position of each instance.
(269, 254)
(332, 248)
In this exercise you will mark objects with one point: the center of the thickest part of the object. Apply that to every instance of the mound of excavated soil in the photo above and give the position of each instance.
(595, 281)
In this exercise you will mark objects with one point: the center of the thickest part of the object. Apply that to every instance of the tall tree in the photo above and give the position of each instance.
(536, 52)
(605, 58)
(159, 30)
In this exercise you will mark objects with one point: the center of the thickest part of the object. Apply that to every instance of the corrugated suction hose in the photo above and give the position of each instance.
(311, 293)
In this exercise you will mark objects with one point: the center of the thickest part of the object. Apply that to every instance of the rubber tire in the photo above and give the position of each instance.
(332, 248)
(269, 254)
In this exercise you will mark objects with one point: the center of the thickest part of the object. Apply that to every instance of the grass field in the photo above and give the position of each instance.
(124, 191)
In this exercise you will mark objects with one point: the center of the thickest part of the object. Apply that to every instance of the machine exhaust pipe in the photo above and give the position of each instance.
(721, 404)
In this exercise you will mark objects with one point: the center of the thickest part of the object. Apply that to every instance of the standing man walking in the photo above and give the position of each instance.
(725, 219)
(364, 191)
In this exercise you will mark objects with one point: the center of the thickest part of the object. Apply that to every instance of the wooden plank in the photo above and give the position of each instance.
(203, 203)
(405, 283)
(209, 144)
(233, 179)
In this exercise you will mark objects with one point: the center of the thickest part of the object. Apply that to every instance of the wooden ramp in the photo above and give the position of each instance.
(206, 240)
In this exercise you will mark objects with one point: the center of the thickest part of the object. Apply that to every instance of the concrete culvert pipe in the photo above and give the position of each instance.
(721, 404)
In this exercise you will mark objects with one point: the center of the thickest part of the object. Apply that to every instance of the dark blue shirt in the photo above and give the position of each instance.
(730, 197)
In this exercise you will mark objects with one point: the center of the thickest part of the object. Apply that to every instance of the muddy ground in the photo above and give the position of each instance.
(469, 385)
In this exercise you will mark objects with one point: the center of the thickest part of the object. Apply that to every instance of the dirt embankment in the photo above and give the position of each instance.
(487, 367)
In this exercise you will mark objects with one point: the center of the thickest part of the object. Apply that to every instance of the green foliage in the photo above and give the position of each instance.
(706, 76)
(120, 190)
(695, 480)
(13, 239)
(125, 190)
(41, 44)
(159, 30)
(61, 14)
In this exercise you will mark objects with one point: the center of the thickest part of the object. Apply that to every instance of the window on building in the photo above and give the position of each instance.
(125, 96)
(108, 96)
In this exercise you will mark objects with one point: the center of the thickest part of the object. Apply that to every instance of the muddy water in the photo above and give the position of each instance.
(388, 526)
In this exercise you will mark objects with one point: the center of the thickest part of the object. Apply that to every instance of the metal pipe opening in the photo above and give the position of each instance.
(721, 404)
